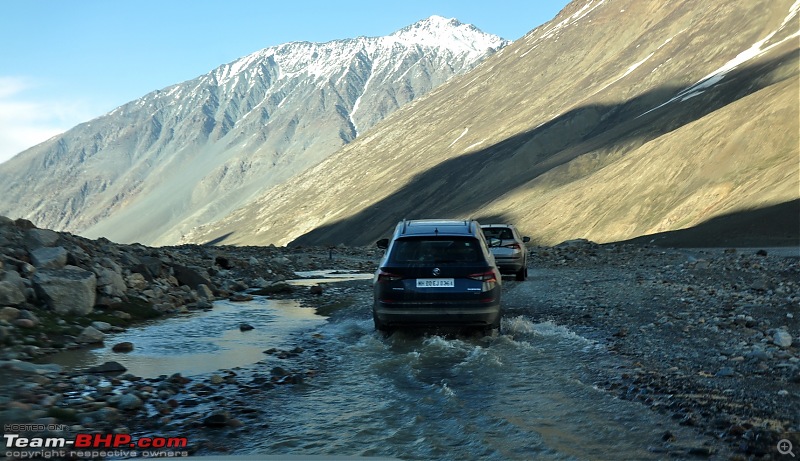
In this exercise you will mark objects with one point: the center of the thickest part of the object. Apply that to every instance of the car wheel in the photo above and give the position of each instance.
(522, 274)
(379, 326)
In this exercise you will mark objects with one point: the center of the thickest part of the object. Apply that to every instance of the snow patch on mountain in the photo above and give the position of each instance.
(548, 33)
(720, 73)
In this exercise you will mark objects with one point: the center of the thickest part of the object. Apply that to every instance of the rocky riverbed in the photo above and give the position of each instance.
(60, 291)
(708, 337)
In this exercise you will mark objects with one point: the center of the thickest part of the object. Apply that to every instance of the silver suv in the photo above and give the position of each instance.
(510, 252)
(437, 273)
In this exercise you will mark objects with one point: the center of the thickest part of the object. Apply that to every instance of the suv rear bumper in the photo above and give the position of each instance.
(484, 315)
(510, 266)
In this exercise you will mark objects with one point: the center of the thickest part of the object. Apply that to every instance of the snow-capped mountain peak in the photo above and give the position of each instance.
(318, 59)
(437, 31)
(242, 127)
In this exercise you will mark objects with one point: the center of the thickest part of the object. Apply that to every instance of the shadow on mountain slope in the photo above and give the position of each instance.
(772, 226)
(460, 186)
(219, 240)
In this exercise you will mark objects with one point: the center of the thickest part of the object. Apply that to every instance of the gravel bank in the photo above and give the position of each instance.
(709, 337)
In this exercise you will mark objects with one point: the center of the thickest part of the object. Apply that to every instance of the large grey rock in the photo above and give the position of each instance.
(102, 326)
(782, 338)
(129, 402)
(13, 276)
(204, 292)
(91, 335)
(111, 282)
(10, 294)
(150, 267)
(107, 367)
(192, 277)
(9, 313)
(49, 257)
(67, 291)
(36, 238)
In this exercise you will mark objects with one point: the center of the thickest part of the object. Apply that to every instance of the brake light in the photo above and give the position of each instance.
(487, 276)
(384, 276)
(514, 246)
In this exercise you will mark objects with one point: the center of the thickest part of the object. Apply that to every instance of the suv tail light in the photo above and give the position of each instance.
(487, 276)
(384, 276)
(514, 246)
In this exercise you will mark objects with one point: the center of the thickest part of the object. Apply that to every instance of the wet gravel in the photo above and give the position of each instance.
(709, 337)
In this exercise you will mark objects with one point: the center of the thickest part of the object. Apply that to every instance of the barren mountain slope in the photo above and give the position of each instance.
(617, 118)
(192, 152)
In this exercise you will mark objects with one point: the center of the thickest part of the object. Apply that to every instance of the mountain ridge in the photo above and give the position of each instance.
(182, 155)
(573, 100)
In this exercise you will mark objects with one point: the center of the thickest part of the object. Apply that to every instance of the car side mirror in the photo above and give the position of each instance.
(494, 242)
(382, 244)
(526, 239)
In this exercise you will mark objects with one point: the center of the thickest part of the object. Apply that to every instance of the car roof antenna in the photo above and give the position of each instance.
(436, 231)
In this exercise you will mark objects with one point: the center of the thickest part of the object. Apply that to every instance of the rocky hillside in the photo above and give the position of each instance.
(59, 290)
(618, 118)
(192, 152)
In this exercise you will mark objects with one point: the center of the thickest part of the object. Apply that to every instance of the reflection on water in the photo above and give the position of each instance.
(309, 278)
(201, 342)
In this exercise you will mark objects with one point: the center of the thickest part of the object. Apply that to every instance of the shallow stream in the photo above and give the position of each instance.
(526, 393)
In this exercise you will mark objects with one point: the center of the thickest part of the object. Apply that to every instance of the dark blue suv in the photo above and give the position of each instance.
(437, 273)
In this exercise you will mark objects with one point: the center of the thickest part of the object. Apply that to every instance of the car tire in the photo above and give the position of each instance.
(522, 274)
(379, 326)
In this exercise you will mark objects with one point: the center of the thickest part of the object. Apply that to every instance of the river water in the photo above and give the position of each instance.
(526, 393)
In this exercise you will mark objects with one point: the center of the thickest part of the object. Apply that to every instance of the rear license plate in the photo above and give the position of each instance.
(436, 283)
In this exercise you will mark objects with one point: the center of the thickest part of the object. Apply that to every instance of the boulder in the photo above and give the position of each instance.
(111, 282)
(9, 313)
(102, 326)
(782, 338)
(107, 367)
(150, 267)
(14, 277)
(123, 347)
(37, 238)
(28, 315)
(281, 261)
(129, 402)
(49, 257)
(90, 335)
(191, 277)
(67, 291)
(136, 281)
(23, 223)
(204, 292)
(223, 262)
(10, 294)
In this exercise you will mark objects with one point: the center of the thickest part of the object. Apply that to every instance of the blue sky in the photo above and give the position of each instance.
(64, 62)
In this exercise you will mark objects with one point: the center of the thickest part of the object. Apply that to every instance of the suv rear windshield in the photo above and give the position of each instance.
(436, 250)
(503, 233)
